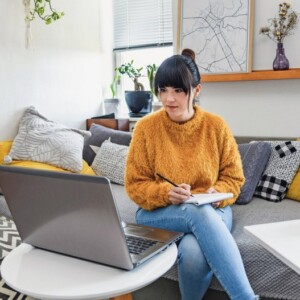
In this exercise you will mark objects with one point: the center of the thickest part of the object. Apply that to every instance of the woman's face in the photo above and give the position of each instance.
(177, 103)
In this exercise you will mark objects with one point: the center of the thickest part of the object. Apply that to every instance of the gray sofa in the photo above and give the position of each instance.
(269, 277)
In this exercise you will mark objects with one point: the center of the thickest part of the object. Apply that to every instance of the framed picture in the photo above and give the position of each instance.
(220, 33)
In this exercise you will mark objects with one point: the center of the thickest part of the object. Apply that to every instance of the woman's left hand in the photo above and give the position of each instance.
(211, 190)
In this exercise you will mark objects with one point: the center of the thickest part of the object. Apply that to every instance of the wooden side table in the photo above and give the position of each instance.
(118, 124)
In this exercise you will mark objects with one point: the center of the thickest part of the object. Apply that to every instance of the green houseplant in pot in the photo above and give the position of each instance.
(138, 101)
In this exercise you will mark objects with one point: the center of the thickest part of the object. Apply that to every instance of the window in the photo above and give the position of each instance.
(142, 23)
(143, 32)
(141, 58)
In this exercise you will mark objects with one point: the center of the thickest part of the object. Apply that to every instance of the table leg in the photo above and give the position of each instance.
(122, 297)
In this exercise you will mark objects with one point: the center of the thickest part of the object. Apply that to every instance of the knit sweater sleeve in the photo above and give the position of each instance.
(231, 176)
(140, 183)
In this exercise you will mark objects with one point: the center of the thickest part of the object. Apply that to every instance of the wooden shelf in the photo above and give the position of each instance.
(117, 124)
(254, 75)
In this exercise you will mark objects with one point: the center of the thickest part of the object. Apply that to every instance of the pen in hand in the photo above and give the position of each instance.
(168, 180)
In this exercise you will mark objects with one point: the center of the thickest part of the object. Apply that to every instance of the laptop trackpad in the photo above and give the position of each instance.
(132, 229)
(148, 232)
(137, 230)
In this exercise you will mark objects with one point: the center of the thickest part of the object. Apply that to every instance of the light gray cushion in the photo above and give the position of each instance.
(254, 157)
(42, 140)
(280, 171)
(99, 135)
(126, 207)
(110, 161)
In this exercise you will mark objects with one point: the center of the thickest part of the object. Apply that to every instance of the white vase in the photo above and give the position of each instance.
(111, 106)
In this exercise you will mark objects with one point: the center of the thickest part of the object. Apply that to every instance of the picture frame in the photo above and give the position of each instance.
(219, 32)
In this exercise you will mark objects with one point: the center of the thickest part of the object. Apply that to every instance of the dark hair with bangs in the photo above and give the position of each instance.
(178, 71)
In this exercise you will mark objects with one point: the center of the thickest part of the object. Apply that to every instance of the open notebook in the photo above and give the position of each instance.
(200, 199)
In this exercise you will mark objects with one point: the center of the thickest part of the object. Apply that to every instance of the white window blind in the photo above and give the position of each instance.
(142, 23)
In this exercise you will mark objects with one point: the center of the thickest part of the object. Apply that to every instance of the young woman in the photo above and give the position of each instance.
(196, 150)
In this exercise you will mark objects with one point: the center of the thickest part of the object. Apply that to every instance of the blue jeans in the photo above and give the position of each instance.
(206, 249)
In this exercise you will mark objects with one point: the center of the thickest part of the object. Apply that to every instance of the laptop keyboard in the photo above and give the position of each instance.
(137, 245)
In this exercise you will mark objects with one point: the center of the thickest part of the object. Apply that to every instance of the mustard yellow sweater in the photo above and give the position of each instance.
(201, 152)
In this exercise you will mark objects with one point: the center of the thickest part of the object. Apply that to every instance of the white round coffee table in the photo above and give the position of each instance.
(46, 275)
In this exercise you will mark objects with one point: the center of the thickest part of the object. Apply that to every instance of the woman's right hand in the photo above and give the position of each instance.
(179, 194)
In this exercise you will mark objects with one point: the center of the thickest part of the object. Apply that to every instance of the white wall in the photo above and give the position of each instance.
(66, 72)
(261, 108)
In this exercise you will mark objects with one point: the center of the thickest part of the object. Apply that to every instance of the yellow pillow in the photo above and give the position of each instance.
(5, 148)
(294, 189)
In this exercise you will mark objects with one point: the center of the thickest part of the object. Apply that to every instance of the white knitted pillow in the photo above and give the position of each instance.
(110, 161)
(280, 171)
(42, 140)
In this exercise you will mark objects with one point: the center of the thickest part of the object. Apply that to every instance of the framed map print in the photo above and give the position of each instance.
(220, 33)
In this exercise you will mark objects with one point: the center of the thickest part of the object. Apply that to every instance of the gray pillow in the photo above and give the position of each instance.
(99, 135)
(42, 140)
(255, 157)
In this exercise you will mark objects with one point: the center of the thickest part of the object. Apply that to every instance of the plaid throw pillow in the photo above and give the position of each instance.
(280, 171)
(271, 188)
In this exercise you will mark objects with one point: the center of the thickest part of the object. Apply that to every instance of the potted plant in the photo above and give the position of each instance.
(138, 101)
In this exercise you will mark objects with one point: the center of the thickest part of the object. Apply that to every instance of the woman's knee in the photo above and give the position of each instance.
(203, 213)
(206, 214)
(189, 252)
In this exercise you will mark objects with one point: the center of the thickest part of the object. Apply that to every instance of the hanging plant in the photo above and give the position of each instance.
(44, 10)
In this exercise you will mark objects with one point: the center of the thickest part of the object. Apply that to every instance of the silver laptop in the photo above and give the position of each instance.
(76, 215)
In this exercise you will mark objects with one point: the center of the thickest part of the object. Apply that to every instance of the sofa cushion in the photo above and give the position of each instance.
(254, 158)
(280, 170)
(110, 161)
(42, 140)
(98, 135)
(126, 207)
